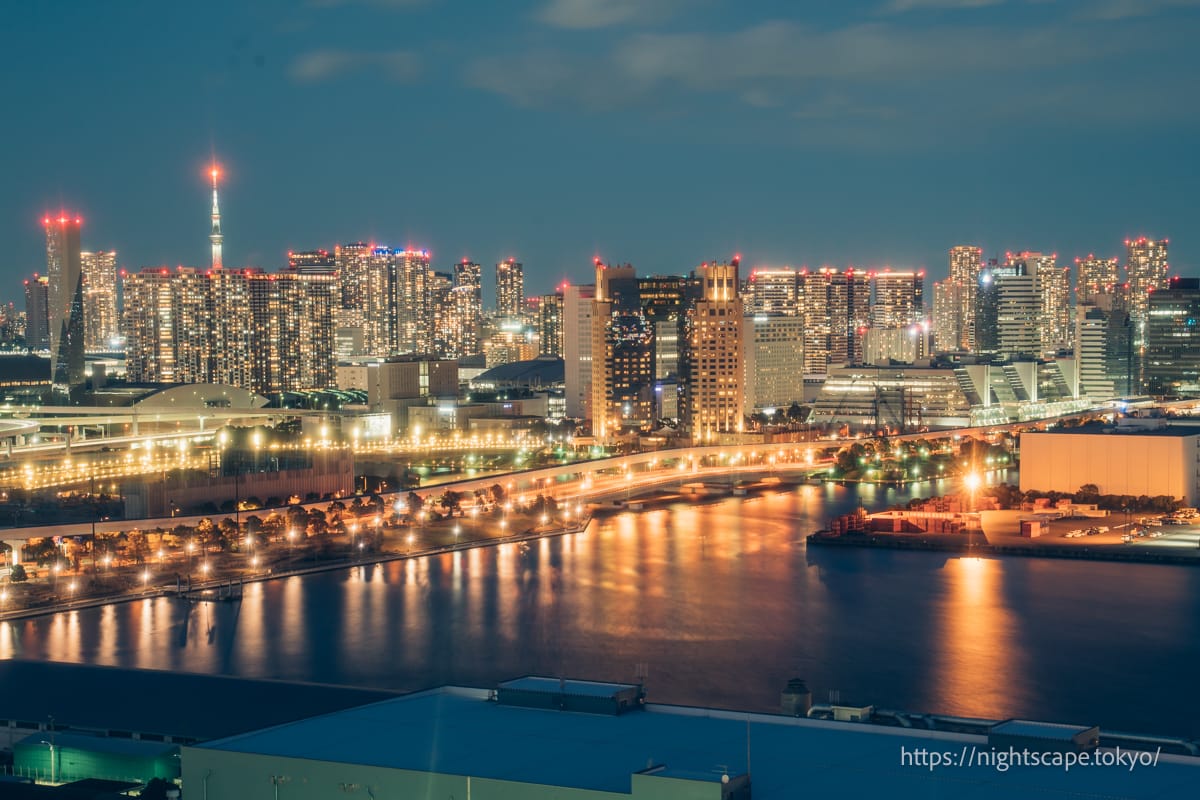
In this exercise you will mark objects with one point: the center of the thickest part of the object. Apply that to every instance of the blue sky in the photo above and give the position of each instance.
(659, 132)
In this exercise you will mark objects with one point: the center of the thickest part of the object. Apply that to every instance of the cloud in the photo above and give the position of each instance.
(900, 6)
(400, 66)
(766, 63)
(1127, 9)
(588, 14)
(394, 5)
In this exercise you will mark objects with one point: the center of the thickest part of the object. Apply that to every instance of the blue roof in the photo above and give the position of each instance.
(537, 683)
(455, 731)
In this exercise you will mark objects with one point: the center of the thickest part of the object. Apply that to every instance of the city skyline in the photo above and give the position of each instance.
(840, 176)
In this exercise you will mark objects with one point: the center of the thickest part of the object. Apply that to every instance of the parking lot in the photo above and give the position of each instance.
(1004, 527)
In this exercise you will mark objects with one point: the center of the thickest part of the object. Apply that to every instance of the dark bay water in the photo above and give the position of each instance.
(721, 603)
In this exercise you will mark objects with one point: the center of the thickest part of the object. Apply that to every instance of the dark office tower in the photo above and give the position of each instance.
(37, 313)
(622, 355)
(665, 299)
(1104, 346)
(353, 263)
(64, 269)
(550, 323)
(510, 288)
(1172, 360)
(714, 386)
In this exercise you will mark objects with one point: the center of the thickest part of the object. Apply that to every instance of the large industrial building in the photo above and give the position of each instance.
(1149, 458)
(542, 738)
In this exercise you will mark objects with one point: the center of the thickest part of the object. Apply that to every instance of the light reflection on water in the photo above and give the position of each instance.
(722, 602)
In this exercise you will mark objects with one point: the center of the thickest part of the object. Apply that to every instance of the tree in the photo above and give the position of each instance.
(17, 573)
(316, 522)
(498, 493)
(156, 789)
(229, 534)
(415, 503)
(452, 501)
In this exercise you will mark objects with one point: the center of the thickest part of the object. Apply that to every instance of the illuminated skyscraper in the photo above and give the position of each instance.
(899, 298)
(353, 264)
(37, 312)
(774, 362)
(100, 327)
(622, 355)
(466, 311)
(1095, 276)
(836, 307)
(440, 284)
(64, 270)
(510, 288)
(1146, 270)
(948, 309)
(399, 311)
(312, 260)
(577, 349)
(772, 291)
(714, 387)
(966, 263)
(1052, 318)
(266, 332)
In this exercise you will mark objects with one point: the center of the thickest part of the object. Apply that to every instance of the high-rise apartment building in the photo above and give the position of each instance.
(100, 324)
(313, 260)
(510, 288)
(966, 264)
(37, 312)
(266, 332)
(714, 386)
(899, 298)
(1146, 271)
(353, 263)
(64, 270)
(1172, 360)
(550, 323)
(836, 307)
(622, 355)
(440, 284)
(399, 310)
(949, 302)
(577, 350)
(1095, 275)
(772, 291)
(774, 362)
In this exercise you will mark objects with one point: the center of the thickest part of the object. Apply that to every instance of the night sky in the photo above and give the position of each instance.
(659, 132)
